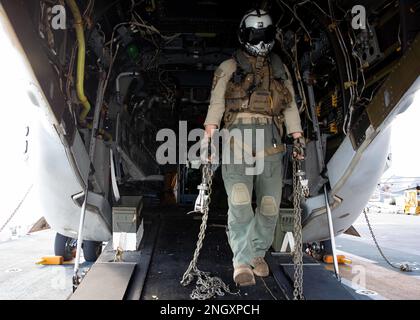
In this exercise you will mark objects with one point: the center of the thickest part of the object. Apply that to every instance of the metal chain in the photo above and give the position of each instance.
(16, 209)
(206, 286)
(298, 194)
(402, 266)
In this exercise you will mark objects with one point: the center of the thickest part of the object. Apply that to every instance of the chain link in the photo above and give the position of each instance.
(206, 285)
(402, 266)
(298, 195)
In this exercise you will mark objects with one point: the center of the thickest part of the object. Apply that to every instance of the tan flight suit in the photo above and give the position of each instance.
(251, 235)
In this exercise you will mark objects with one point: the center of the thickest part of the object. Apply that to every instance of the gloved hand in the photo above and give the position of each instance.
(207, 145)
(210, 129)
(299, 147)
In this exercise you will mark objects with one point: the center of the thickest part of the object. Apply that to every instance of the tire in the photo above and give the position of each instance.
(91, 250)
(327, 246)
(320, 250)
(63, 246)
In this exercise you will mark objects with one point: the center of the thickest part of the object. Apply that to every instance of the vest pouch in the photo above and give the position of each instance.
(235, 97)
(281, 96)
(260, 102)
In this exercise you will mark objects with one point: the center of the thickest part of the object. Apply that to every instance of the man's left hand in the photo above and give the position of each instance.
(299, 146)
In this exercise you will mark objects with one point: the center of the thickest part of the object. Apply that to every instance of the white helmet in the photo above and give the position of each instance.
(257, 32)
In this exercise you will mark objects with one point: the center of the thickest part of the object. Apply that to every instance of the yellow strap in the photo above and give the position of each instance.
(271, 104)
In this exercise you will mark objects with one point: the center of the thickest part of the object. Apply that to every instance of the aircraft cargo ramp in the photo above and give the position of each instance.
(154, 272)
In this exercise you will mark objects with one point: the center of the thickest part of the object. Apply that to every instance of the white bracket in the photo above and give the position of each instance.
(288, 240)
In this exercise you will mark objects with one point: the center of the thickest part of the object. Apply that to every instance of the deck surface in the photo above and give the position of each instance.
(173, 252)
(174, 247)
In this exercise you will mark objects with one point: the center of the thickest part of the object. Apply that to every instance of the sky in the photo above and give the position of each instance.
(405, 141)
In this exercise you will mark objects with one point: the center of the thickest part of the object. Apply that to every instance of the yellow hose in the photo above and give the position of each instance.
(78, 26)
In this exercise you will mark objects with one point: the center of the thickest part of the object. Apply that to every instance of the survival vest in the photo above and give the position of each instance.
(257, 88)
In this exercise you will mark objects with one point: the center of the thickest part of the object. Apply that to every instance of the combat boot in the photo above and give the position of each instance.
(260, 267)
(243, 275)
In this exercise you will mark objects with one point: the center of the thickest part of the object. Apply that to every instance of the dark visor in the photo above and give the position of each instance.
(254, 36)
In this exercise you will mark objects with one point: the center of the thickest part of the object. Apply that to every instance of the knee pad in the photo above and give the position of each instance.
(240, 195)
(268, 206)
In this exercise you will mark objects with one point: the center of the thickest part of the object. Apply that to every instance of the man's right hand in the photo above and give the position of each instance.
(210, 130)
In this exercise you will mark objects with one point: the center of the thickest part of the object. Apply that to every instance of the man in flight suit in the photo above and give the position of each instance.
(254, 90)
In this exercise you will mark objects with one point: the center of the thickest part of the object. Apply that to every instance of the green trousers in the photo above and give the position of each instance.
(250, 233)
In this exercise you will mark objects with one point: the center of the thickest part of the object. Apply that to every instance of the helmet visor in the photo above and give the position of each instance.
(254, 36)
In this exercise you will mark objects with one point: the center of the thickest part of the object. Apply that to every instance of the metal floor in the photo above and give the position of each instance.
(166, 250)
(173, 252)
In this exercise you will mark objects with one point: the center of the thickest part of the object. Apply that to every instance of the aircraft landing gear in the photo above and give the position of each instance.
(91, 250)
(64, 246)
(320, 249)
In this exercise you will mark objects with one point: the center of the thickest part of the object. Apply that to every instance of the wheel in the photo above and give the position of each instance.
(91, 250)
(327, 246)
(64, 246)
(319, 249)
